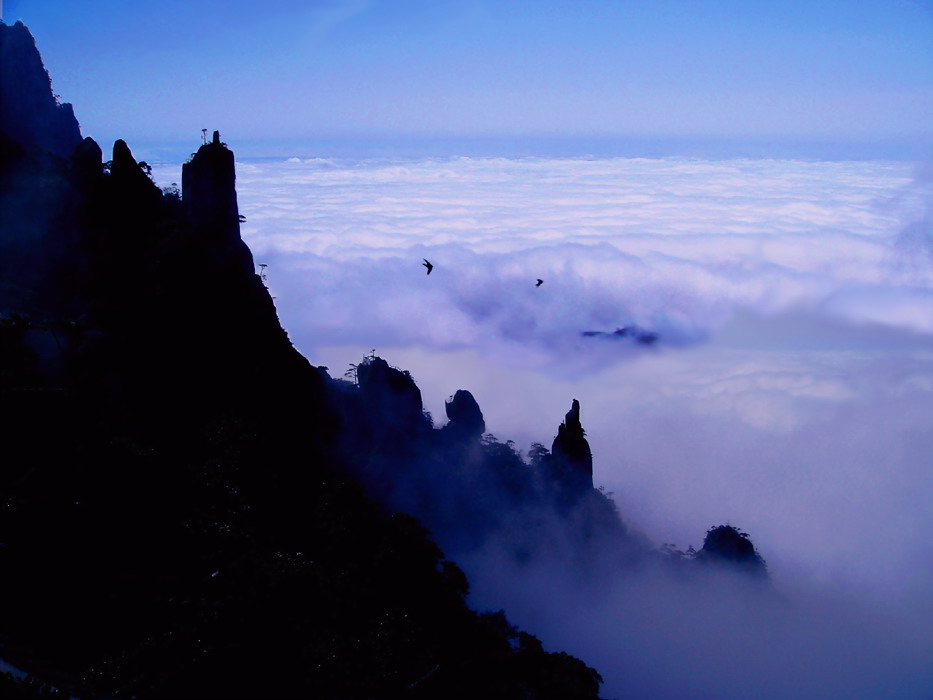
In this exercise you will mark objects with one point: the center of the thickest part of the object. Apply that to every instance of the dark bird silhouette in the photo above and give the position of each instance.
(540, 282)
(427, 265)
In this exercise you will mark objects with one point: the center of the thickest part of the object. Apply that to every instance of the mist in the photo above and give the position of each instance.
(654, 636)
(789, 390)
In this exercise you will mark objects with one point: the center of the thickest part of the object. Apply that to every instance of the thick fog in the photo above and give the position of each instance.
(789, 391)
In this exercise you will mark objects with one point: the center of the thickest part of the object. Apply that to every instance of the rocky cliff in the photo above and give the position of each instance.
(465, 416)
(178, 517)
(209, 192)
(29, 111)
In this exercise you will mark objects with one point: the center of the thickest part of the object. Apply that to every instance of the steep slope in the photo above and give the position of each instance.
(177, 518)
(29, 110)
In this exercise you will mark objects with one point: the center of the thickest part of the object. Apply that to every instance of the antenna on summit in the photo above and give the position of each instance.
(203, 137)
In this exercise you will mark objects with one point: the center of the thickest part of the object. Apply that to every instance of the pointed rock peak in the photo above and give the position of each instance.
(572, 427)
(122, 153)
(571, 456)
(572, 419)
(133, 183)
(124, 165)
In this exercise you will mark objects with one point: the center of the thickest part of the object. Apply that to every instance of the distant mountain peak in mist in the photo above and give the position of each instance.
(633, 333)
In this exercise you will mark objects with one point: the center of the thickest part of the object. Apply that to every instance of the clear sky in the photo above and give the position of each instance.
(299, 69)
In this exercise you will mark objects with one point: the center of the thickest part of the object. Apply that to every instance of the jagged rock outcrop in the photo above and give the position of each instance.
(29, 112)
(183, 461)
(571, 460)
(129, 179)
(465, 416)
(187, 458)
(131, 210)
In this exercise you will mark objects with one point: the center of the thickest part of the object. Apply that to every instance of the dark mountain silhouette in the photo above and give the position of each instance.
(571, 459)
(633, 333)
(464, 416)
(729, 546)
(177, 517)
(191, 509)
(29, 110)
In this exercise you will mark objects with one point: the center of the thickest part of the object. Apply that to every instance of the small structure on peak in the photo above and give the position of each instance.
(571, 459)
(208, 183)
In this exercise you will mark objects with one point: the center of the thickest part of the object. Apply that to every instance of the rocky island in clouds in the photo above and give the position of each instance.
(192, 509)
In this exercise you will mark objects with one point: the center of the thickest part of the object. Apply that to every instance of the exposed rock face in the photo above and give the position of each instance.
(208, 184)
(571, 458)
(29, 113)
(466, 418)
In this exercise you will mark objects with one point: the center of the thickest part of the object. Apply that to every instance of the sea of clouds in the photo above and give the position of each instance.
(790, 391)
(676, 246)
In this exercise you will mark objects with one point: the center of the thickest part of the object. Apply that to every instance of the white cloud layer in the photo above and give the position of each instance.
(672, 245)
(790, 391)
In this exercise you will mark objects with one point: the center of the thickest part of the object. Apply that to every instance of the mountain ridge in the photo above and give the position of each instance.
(229, 518)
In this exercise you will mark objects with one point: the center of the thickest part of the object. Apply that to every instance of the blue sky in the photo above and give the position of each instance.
(716, 69)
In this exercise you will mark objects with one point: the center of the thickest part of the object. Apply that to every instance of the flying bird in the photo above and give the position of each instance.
(540, 282)
(427, 265)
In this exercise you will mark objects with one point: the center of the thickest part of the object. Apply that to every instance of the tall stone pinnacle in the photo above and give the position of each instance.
(570, 453)
(208, 184)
